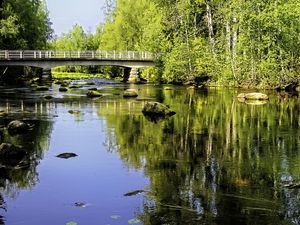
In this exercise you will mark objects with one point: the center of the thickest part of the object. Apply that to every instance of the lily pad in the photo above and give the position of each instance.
(71, 223)
(115, 216)
(66, 155)
(134, 221)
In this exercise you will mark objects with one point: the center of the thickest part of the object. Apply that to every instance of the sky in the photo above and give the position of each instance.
(66, 13)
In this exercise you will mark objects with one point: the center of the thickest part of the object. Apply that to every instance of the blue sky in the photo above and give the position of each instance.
(66, 13)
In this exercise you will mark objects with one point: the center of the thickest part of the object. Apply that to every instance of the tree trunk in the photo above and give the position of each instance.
(233, 45)
(210, 26)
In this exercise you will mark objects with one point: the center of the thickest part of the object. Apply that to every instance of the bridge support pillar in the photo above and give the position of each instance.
(45, 75)
(134, 76)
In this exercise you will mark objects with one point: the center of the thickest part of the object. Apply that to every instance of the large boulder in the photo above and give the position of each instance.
(157, 109)
(11, 155)
(253, 96)
(17, 127)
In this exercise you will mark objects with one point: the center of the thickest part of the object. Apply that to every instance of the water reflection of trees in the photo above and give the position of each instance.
(217, 161)
(35, 143)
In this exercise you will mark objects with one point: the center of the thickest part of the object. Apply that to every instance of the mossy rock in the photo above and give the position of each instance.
(73, 111)
(253, 96)
(63, 89)
(130, 93)
(42, 88)
(75, 86)
(156, 108)
(92, 89)
(93, 94)
(48, 97)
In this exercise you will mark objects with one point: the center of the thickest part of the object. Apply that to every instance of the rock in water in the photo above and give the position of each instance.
(158, 109)
(66, 155)
(11, 155)
(93, 94)
(80, 204)
(253, 96)
(130, 93)
(17, 127)
(63, 89)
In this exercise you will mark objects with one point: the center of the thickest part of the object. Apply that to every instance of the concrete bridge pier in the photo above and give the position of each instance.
(134, 76)
(45, 75)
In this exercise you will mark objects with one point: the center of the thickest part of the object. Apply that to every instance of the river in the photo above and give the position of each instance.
(217, 161)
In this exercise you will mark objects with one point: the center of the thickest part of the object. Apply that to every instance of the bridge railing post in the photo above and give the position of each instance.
(6, 54)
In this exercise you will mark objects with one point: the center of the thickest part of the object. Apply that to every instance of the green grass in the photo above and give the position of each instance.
(67, 75)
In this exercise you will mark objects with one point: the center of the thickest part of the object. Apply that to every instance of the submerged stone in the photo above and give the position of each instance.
(66, 155)
(93, 94)
(17, 127)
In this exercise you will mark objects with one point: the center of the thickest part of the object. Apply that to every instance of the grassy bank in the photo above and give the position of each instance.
(68, 75)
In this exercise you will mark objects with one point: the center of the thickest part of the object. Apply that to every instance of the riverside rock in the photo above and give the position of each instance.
(93, 94)
(130, 93)
(157, 109)
(253, 96)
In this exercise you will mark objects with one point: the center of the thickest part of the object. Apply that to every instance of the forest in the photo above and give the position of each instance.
(235, 42)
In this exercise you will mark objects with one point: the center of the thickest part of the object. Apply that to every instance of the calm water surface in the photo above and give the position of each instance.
(217, 161)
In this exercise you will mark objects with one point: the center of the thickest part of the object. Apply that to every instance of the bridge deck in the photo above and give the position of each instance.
(40, 55)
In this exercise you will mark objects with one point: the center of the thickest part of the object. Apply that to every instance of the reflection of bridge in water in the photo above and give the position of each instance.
(47, 59)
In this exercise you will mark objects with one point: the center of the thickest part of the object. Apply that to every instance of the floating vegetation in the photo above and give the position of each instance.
(115, 216)
(134, 221)
(71, 223)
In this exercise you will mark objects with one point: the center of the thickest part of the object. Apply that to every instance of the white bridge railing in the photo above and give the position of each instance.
(86, 55)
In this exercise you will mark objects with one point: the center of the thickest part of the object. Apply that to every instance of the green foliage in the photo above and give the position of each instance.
(230, 41)
(24, 24)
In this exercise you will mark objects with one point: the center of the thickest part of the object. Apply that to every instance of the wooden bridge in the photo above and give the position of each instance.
(48, 59)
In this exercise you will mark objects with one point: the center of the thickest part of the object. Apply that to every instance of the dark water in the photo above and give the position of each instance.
(217, 161)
